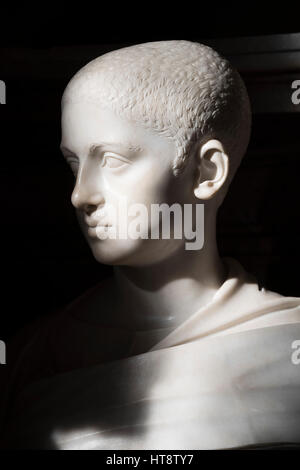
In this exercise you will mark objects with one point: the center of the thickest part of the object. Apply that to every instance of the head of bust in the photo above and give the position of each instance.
(161, 122)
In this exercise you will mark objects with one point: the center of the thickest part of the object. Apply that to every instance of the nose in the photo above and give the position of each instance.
(85, 195)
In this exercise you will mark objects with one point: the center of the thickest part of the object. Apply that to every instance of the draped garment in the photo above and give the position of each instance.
(227, 377)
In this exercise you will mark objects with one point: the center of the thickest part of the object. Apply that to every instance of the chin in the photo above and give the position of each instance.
(116, 252)
(133, 252)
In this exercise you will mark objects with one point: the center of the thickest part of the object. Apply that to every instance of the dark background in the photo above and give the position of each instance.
(45, 261)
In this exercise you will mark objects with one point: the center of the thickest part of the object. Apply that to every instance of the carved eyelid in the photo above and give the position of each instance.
(114, 156)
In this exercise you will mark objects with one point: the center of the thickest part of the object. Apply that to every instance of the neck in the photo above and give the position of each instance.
(168, 293)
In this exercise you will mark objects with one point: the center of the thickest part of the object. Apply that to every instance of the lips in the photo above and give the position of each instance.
(96, 224)
(95, 232)
(93, 222)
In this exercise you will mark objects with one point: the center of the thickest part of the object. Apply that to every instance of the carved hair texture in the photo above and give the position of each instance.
(183, 90)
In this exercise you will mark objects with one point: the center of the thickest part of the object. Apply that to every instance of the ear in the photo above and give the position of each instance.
(212, 170)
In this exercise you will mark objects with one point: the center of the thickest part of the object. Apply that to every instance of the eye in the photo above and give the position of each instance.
(111, 160)
(73, 165)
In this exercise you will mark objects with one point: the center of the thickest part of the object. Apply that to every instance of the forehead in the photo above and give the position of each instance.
(85, 123)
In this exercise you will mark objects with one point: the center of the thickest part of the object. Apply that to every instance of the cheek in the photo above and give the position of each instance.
(158, 187)
(165, 190)
(140, 191)
(144, 184)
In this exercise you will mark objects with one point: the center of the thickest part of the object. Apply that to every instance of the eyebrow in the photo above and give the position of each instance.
(94, 147)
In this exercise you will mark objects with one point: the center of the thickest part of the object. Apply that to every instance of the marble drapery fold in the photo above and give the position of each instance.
(225, 378)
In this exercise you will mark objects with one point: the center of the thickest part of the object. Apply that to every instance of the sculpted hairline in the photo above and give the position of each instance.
(179, 95)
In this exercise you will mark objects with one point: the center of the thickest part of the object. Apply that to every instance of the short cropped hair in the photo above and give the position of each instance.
(183, 90)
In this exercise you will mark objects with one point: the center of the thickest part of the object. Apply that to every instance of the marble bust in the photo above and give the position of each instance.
(180, 349)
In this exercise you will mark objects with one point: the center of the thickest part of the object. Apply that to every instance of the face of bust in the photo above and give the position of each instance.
(117, 162)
